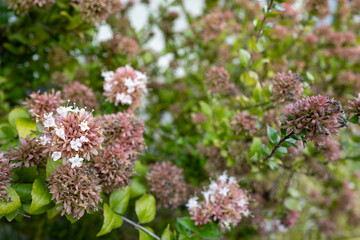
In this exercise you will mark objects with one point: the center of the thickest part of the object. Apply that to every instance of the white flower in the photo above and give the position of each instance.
(76, 144)
(192, 203)
(56, 156)
(123, 98)
(223, 178)
(130, 84)
(107, 87)
(44, 139)
(50, 121)
(108, 76)
(63, 111)
(232, 180)
(213, 186)
(224, 191)
(60, 132)
(84, 139)
(207, 195)
(84, 126)
(76, 161)
(242, 203)
(246, 213)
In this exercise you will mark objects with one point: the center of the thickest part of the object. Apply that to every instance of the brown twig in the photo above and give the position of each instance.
(278, 145)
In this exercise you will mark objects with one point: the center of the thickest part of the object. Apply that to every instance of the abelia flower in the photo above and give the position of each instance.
(75, 134)
(353, 107)
(39, 104)
(21, 6)
(114, 168)
(81, 95)
(218, 81)
(223, 201)
(123, 130)
(166, 181)
(287, 87)
(245, 123)
(94, 11)
(76, 190)
(125, 86)
(59, 78)
(331, 150)
(5, 176)
(211, 26)
(30, 152)
(316, 117)
(320, 8)
(198, 118)
(122, 45)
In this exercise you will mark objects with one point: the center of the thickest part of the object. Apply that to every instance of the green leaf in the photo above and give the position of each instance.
(187, 223)
(206, 108)
(12, 205)
(166, 235)
(71, 219)
(144, 236)
(292, 204)
(51, 166)
(17, 113)
(354, 119)
(145, 208)
(255, 146)
(310, 76)
(12, 215)
(51, 213)
(40, 195)
(119, 200)
(265, 150)
(23, 190)
(140, 169)
(244, 58)
(137, 188)
(210, 231)
(111, 221)
(272, 135)
(24, 126)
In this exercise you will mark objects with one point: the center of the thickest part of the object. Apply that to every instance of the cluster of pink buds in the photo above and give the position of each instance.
(287, 87)
(125, 86)
(223, 201)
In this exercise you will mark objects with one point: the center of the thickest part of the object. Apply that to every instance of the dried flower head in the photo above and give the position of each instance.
(316, 117)
(5, 177)
(30, 153)
(125, 86)
(198, 118)
(291, 218)
(353, 107)
(95, 11)
(166, 181)
(39, 104)
(223, 201)
(122, 45)
(245, 123)
(21, 6)
(311, 39)
(57, 56)
(211, 26)
(114, 168)
(287, 87)
(59, 78)
(80, 94)
(218, 81)
(76, 189)
(73, 133)
(320, 8)
(125, 130)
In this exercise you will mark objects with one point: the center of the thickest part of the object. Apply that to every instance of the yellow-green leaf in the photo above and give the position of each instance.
(144, 236)
(111, 221)
(17, 113)
(40, 195)
(24, 127)
(119, 200)
(145, 208)
(12, 205)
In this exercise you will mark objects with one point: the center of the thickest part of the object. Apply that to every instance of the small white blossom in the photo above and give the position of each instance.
(44, 139)
(123, 98)
(107, 87)
(108, 76)
(56, 156)
(84, 139)
(224, 191)
(60, 132)
(192, 203)
(76, 144)
(242, 203)
(63, 111)
(223, 178)
(84, 126)
(76, 161)
(130, 84)
(207, 195)
(50, 121)
(232, 180)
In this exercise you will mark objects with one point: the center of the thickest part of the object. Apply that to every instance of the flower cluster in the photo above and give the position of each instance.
(5, 176)
(320, 8)
(223, 201)
(125, 86)
(166, 182)
(198, 118)
(21, 6)
(122, 45)
(31, 152)
(94, 11)
(353, 107)
(76, 190)
(211, 26)
(218, 81)
(244, 122)
(72, 134)
(114, 167)
(80, 94)
(124, 131)
(59, 78)
(331, 150)
(316, 117)
(39, 104)
(287, 87)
